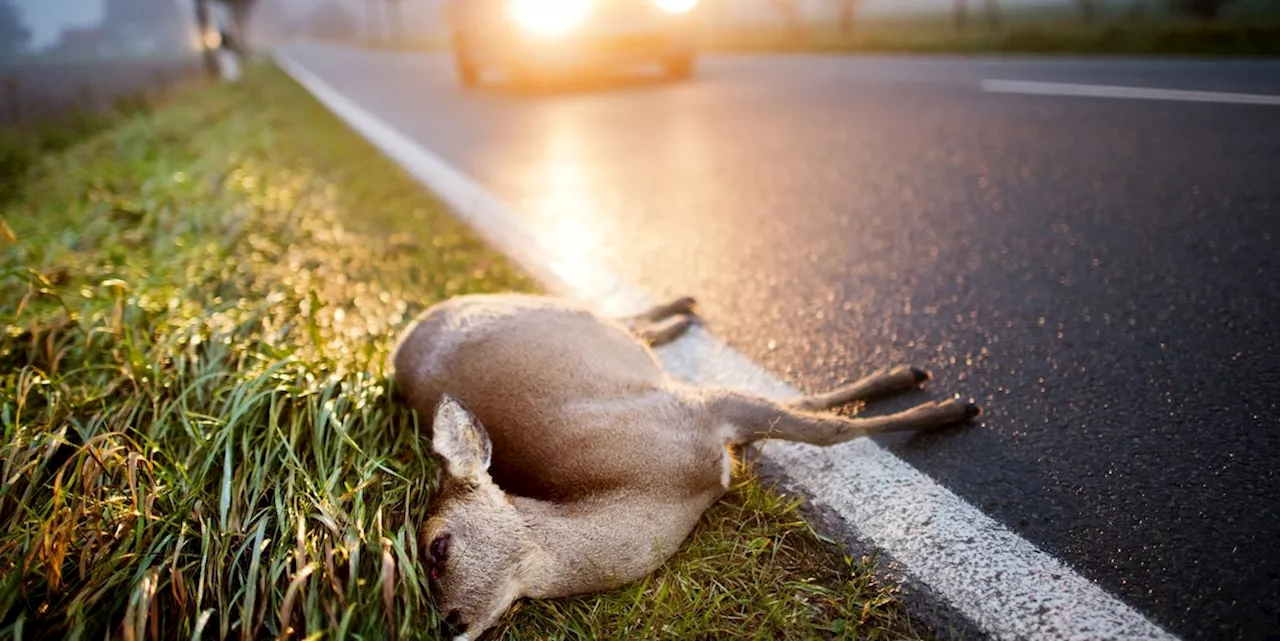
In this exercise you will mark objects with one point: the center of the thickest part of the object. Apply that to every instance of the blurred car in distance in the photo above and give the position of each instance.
(524, 36)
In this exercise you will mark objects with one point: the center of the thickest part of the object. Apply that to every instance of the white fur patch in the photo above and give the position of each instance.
(725, 435)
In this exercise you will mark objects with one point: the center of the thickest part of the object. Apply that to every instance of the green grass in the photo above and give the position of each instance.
(22, 145)
(199, 440)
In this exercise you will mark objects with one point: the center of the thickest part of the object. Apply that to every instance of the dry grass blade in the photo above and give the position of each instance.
(286, 608)
(388, 583)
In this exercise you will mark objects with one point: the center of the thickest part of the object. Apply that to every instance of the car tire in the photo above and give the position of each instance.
(678, 66)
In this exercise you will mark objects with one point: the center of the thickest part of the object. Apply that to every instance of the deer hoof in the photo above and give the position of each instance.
(971, 410)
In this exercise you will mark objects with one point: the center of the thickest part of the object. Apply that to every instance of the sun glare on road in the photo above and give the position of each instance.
(566, 208)
(571, 189)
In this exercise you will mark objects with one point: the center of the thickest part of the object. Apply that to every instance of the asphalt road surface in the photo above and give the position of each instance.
(1100, 274)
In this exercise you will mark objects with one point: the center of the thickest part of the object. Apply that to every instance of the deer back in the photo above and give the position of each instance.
(573, 404)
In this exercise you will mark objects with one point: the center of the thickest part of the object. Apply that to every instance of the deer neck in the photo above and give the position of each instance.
(594, 545)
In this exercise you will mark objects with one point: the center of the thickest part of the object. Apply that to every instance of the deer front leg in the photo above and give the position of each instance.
(665, 330)
(753, 419)
(664, 323)
(679, 307)
(883, 383)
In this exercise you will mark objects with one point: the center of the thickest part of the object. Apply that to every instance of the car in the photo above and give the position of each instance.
(523, 36)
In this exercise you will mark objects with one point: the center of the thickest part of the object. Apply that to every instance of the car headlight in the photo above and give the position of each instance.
(676, 6)
(549, 17)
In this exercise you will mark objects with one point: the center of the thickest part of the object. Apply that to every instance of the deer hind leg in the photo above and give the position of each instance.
(885, 382)
(752, 419)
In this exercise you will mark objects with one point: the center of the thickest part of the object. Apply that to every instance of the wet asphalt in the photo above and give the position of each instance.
(1101, 275)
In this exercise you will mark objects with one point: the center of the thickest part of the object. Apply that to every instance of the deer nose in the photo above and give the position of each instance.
(452, 625)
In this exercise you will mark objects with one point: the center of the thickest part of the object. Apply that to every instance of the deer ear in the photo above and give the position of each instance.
(460, 440)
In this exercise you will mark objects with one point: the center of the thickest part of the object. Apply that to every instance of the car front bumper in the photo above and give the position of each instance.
(652, 39)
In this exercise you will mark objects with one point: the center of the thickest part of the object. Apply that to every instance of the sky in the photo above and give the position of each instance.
(47, 18)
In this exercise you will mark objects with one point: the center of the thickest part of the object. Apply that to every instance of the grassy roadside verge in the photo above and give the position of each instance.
(22, 146)
(197, 306)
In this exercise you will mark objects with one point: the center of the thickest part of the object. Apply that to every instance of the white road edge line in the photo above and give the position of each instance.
(1132, 93)
(1004, 584)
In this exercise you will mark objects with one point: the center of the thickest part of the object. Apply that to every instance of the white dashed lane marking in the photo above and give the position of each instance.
(1128, 93)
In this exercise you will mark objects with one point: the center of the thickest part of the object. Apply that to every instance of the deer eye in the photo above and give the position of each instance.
(437, 552)
(440, 547)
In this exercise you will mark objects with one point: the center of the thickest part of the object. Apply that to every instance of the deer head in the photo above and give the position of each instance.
(475, 542)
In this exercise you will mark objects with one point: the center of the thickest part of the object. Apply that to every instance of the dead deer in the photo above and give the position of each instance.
(572, 462)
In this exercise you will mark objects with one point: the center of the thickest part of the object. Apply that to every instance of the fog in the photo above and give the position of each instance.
(48, 20)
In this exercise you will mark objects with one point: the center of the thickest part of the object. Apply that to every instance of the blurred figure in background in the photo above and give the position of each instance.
(223, 26)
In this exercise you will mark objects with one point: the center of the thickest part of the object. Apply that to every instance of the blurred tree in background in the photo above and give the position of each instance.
(790, 12)
(846, 12)
(960, 14)
(1203, 9)
(14, 35)
(330, 21)
(395, 18)
(1088, 10)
